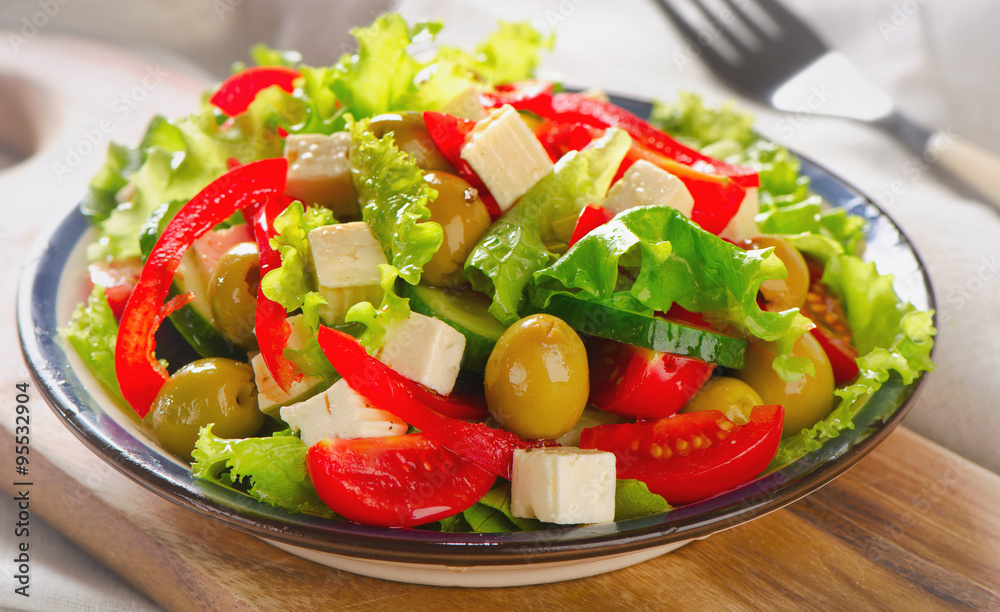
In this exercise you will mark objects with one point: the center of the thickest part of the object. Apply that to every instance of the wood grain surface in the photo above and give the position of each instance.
(911, 527)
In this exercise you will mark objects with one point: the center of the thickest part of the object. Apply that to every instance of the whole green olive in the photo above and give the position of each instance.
(464, 219)
(232, 293)
(411, 136)
(731, 396)
(211, 390)
(807, 399)
(536, 379)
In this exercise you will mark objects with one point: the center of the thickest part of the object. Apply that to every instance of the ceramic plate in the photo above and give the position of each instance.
(54, 280)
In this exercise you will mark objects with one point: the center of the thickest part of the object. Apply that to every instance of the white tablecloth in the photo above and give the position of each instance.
(935, 58)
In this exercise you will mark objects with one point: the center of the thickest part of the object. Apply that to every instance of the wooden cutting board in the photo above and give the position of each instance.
(912, 526)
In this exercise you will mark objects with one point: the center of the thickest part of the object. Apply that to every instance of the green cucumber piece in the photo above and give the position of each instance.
(467, 312)
(648, 331)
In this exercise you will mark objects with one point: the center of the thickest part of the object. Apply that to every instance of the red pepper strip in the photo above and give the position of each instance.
(716, 198)
(559, 138)
(448, 132)
(490, 449)
(577, 108)
(591, 217)
(238, 91)
(140, 375)
(533, 96)
(270, 323)
(465, 407)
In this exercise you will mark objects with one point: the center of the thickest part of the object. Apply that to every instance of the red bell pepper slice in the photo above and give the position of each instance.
(533, 96)
(578, 108)
(140, 375)
(490, 449)
(591, 217)
(559, 138)
(396, 481)
(270, 323)
(448, 132)
(238, 91)
(693, 456)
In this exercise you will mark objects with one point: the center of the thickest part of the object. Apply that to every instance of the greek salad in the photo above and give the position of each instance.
(438, 293)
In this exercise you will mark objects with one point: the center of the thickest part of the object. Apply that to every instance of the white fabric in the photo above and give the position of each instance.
(932, 56)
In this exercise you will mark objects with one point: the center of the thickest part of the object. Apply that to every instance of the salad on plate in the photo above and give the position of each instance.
(434, 292)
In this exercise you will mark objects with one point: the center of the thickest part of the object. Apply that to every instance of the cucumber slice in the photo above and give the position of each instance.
(467, 312)
(648, 331)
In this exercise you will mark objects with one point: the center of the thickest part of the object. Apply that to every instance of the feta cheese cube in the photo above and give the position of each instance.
(340, 412)
(270, 396)
(645, 184)
(319, 171)
(563, 485)
(346, 257)
(743, 225)
(425, 350)
(505, 153)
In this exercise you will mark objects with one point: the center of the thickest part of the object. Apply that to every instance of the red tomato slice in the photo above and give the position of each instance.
(238, 91)
(397, 481)
(118, 279)
(831, 331)
(638, 382)
(691, 457)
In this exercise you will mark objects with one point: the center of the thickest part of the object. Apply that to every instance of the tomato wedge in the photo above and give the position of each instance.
(638, 382)
(118, 279)
(831, 331)
(693, 456)
(396, 481)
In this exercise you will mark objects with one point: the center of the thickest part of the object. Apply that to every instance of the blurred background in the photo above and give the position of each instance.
(67, 65)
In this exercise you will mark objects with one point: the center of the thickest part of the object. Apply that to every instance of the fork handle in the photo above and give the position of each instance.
(972, 166)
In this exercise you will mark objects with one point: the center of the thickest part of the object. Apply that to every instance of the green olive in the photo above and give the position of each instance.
(411, 135)
(464, 219)
(211, 390)
(536, 378)
(806, 400)
(789, 292)
(731, 396)
(232, 293)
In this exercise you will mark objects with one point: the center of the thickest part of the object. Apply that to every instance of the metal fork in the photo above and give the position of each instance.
(762, 49)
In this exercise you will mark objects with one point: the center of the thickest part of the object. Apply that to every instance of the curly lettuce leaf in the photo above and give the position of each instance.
(510, 54)
(646, 259)
(392, 310)
(271, 470)
(110, 179)
(633, 499)
(394, 196)
(93, 333)
(892, 336)
(293, 284)
(529, 236)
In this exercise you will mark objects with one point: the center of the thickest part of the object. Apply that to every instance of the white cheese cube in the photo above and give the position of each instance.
(425, 350)
(646, 184)
(466, 105)
(319, 171)
(743, 225)
(340, 412)
(563, 485)
(505, 153)
(346, 257)
(269, 395)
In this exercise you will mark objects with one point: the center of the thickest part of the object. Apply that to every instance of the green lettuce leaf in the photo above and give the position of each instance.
(529, 236)
(667, 259)
(392, 310)
(293, 284)
(892, 336)
(633, 500)
(93, 333)
(271, 470)
(510, 54)
(109, 180)
(492, 514)
(394, 196)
